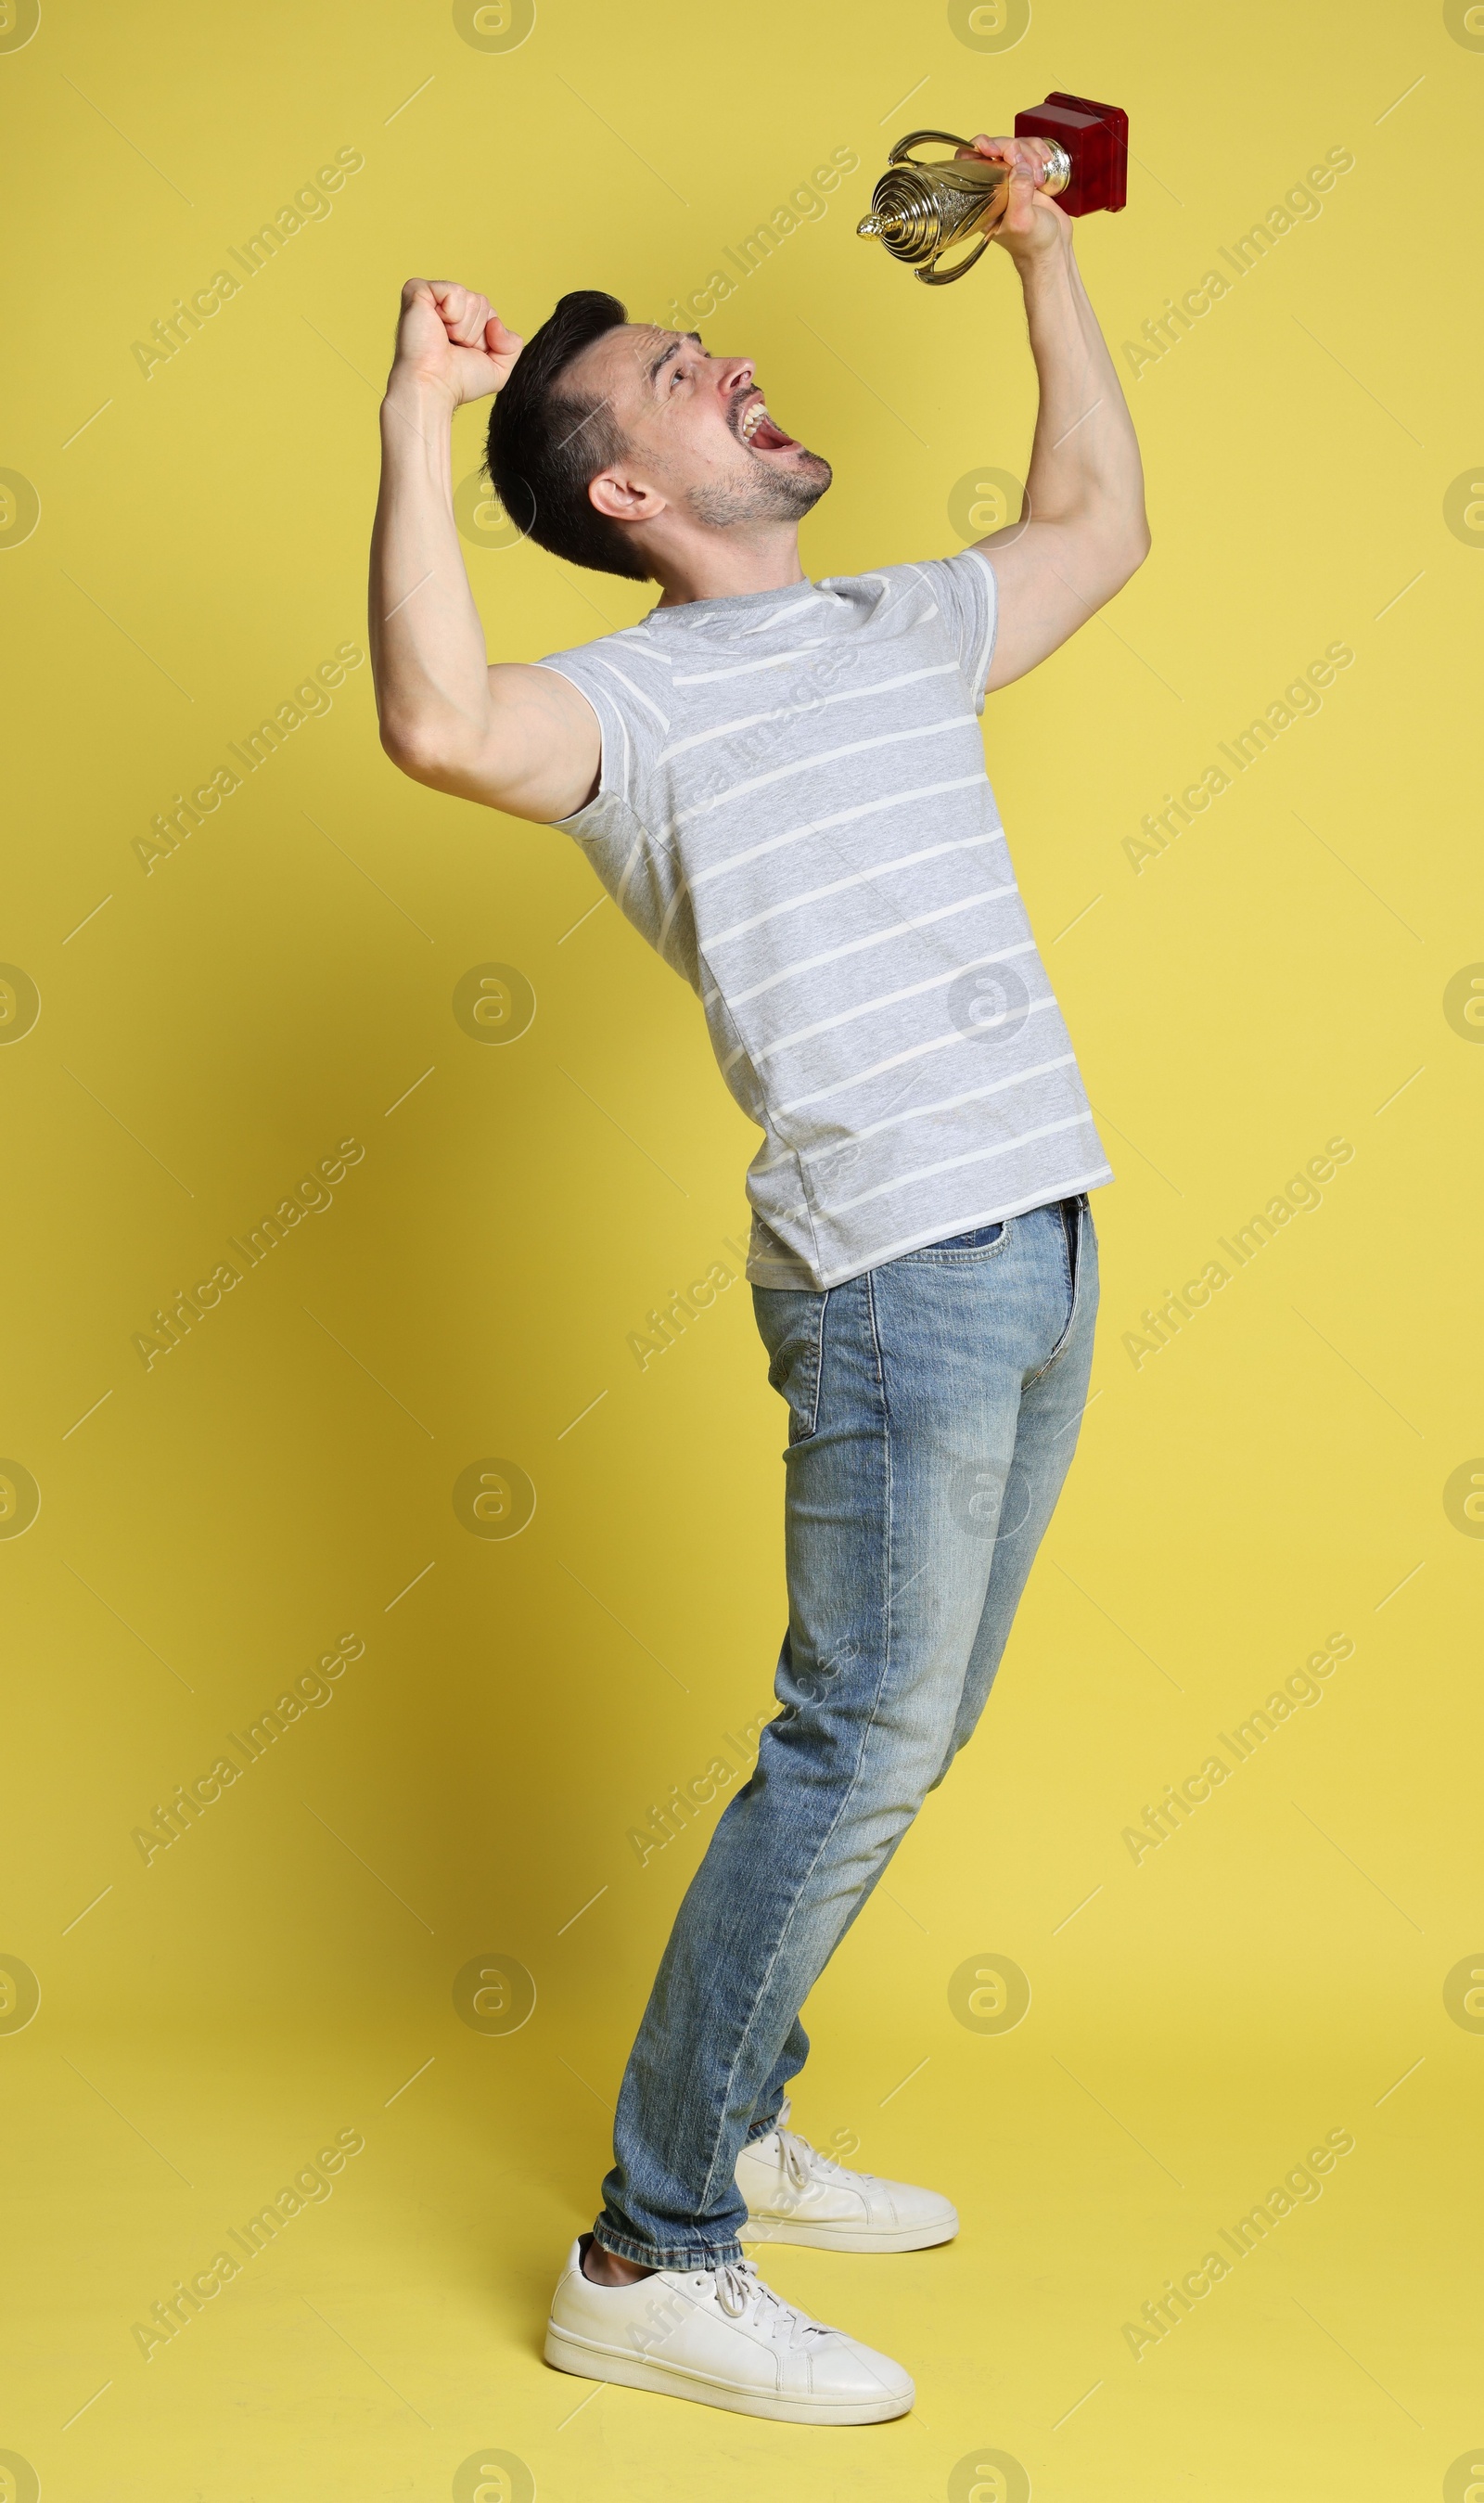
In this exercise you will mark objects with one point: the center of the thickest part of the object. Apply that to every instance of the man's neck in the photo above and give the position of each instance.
(728, 563)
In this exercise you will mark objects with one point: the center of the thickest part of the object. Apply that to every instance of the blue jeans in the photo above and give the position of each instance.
(934, 1406)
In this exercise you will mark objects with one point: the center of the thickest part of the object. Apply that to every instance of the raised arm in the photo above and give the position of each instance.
(516, 738)
(1083, 531)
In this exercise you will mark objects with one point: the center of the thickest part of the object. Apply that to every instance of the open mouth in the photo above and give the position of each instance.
(759, 430)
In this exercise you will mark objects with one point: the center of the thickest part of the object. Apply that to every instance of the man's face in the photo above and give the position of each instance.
(697, 429)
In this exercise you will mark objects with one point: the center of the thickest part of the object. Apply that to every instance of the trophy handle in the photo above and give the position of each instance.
(936, 276)
(901, 153)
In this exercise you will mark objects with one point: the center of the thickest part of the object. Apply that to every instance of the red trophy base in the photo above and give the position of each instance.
(1095, 137)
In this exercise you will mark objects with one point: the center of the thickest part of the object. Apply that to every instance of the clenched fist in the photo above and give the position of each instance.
(1031, 223)
(451, 340)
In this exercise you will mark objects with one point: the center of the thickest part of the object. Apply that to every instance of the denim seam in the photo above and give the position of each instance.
(886, 1437)
(1074, 1277)
(672, 2255)
(828, 1836)
(819, 1368)
(782, 1939)
(745, 2029)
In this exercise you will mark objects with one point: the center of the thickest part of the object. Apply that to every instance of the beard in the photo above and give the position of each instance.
(763, 491)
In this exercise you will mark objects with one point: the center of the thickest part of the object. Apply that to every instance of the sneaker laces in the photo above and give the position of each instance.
(742, 2295)
(802, 2162)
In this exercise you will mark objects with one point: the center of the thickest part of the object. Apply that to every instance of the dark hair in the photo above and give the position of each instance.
(547, 444)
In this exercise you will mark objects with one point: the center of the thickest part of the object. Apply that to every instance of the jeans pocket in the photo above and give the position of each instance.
(956, 1251)
(1079, 1248)
(978, 1239)
(791, 1321)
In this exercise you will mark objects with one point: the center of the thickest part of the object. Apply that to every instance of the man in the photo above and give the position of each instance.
(782, 784)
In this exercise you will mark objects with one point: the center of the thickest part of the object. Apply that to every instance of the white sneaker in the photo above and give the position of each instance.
(796, 2195)
(720, 2336)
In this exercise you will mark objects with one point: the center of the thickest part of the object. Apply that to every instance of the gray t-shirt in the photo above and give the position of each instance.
(793, 809)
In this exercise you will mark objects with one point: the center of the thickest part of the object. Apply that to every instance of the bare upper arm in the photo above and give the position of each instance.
(536, 754)
(1052, 577)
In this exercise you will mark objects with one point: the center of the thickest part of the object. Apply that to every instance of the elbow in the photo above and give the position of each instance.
(415, 750)
(1111, 554)
(1123, 556)
(1136, 547)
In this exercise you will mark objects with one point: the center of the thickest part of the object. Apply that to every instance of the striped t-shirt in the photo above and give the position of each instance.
(793, 809)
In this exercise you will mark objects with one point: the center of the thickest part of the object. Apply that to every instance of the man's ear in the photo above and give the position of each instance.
(619, 498)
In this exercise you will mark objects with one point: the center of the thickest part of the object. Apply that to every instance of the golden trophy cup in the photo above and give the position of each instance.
(924, 208)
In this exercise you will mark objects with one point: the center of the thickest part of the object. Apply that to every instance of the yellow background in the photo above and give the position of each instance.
(209, 1031)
